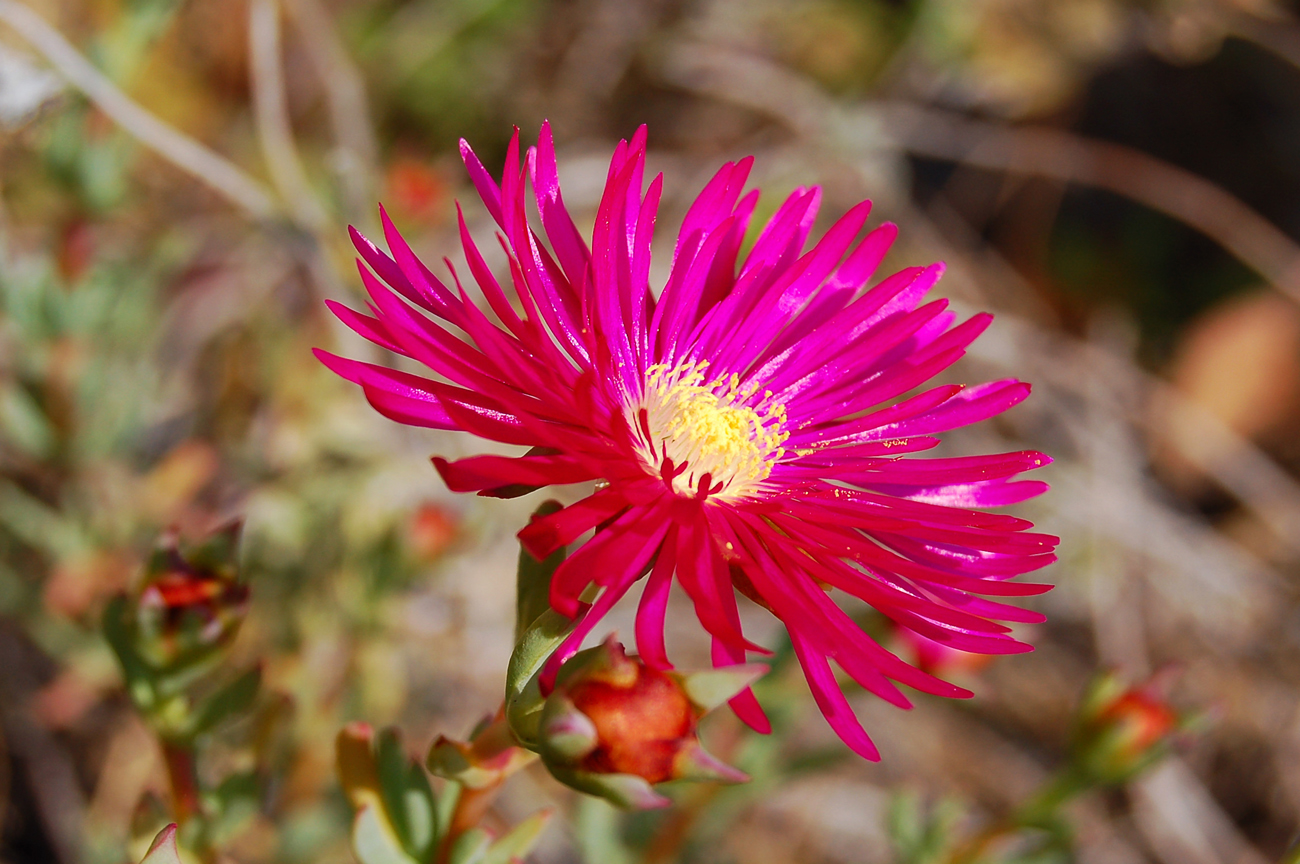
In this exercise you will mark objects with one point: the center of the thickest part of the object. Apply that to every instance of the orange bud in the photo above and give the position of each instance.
(432, 529)
(641, 722)
(1124, 728)
(415, 188)
(614, 726)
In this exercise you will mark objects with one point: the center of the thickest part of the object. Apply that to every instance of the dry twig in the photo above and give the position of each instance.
(271, 110)
(182, 151)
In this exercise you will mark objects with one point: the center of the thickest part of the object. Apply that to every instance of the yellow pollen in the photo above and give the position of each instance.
(709, 426)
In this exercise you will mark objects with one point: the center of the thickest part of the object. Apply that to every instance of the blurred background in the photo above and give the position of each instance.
(1118, 180)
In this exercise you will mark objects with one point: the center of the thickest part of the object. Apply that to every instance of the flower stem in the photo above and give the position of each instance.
(471, 807)
(472, 804)
(182, 773)
(1040, 811)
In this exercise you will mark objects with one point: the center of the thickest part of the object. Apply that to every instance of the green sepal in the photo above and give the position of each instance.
(519, 841)
(524, 699)
(470, 847)
(622, 790)
(533, 577)
(539, 630)
(711, 688)
(565, 733)
(233, 699)
(511, 490)
(374, 841)
(137, 674)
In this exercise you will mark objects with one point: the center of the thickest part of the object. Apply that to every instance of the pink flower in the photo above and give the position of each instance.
(745, 426)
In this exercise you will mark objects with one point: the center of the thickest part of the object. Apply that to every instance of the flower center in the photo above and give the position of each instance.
(708, 427)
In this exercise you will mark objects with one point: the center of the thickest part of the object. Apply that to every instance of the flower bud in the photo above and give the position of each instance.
(191, 604)
(488, 758)
(1124, 729)
(614, 726)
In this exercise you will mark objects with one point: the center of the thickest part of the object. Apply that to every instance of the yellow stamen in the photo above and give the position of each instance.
(713, 427)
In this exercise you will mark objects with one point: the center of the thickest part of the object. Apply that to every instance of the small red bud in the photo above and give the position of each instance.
(641, 723)
(614, 726)
(431, 530)
(1124, 728)
(189, 604)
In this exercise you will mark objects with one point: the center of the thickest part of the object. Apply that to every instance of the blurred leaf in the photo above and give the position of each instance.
(234, 802)
(139, 678)
(421, 813)
(445, 805)
(407, 797)
(354, 760)
(24, 424)
(39, 525)
(519, 842)
(596, 826)
(470, 847)
(374, 841)
(231, 700)
(917, 833)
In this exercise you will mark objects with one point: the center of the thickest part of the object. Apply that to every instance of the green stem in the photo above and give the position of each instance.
(1041, 809)
(1038, 812)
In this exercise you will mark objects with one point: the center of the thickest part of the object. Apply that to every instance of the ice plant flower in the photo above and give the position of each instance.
(745, 426)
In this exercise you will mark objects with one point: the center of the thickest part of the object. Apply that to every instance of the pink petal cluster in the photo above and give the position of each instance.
(746, 426)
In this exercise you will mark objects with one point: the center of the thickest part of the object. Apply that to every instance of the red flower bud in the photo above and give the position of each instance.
(189, 604)
(642, 719)
(613, 726)
(1123, 728)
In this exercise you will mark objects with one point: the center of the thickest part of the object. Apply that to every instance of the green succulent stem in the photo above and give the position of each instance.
(472, 804)
(1041, 811)
(181, 760)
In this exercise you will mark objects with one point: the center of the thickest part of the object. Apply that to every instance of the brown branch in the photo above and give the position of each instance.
(182, 774)
(857, 130)
(345, 96)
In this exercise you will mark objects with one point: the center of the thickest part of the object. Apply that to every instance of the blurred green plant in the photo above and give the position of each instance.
(400, 819)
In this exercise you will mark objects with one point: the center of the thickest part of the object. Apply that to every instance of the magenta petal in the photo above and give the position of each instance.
(548, 533)
(488, 190)
(488, 472)
(834, 707)
(653, 609)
